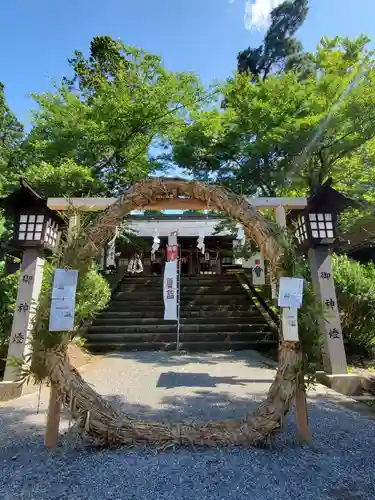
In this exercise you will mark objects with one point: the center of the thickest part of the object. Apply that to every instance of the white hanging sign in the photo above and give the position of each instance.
(155, 244)
(170, 290)
(200, 242)
(63, 300)
(172, 238)
(111, 249)
(237, 261)
(290, 324)
(290, 292)
(258, 269)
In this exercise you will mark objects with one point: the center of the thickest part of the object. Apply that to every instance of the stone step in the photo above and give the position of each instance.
(167, 327)
(186, 314)
(184, 337)
(216, 315)
(123, 306)
(215, 300)
(140, 295)
(119, 321)
(220, 314)
(186, 309)
(110, 320)
(184, 290)
(232, 345)
(155, 295)
(215, 346)
(103, 330)
(107, 347)
(227, 320)
(142, 300)
(247, 306)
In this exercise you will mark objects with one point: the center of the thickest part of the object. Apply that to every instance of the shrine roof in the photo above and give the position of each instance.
(186, 225)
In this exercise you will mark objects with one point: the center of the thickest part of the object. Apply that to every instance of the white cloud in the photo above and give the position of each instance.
(257, 13)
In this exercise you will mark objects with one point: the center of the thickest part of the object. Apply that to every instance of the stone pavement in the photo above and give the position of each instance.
(165, 385)
(338, 464)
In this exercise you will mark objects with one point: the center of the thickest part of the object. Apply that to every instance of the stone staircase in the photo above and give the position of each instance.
(216, 315)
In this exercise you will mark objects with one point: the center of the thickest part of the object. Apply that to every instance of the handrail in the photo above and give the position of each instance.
(273, 317)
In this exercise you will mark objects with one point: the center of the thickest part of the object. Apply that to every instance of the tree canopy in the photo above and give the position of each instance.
(282, 134)
(11, 135)
(120, 103)
(280, 50)
(281, 125)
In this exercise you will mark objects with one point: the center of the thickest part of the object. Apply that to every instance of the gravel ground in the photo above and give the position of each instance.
(339, 465)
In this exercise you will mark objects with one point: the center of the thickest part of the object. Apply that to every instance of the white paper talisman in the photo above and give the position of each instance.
(290, 292)
(63, 300)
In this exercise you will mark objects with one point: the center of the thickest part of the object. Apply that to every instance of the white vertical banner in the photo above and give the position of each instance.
(290, 324)
(258, 269)
(63, 300)
(237, 244)
(170, 290)
(111, 251)
(172, 238)
(290, 300)
(102, 259)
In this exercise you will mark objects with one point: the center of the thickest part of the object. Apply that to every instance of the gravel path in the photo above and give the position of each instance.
(340, 465)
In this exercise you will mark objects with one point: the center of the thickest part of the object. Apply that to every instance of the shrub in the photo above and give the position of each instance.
(93, 294)
(355, 287)
(8, 296)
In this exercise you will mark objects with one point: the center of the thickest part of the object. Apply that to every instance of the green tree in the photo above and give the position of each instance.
(284, 135)
(11, 136)
(120, 103)
(280, 50)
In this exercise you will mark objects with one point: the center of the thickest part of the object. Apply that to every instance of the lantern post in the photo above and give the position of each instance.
(36, 229)
(316, 232)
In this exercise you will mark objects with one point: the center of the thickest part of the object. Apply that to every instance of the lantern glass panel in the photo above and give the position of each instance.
(21, 236)
(315, 234)
(320, 217)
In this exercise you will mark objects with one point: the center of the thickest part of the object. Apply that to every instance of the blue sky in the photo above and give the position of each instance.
(204, 36)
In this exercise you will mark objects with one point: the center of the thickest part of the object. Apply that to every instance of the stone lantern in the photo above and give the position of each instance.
(316, 232)
(35, 225)
(36, 229)
(316, 224)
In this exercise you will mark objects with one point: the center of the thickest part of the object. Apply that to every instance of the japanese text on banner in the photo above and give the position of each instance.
(63, 300)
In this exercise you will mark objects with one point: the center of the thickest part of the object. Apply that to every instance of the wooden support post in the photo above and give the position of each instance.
(303, 430)
(302, 419)
(53, 420)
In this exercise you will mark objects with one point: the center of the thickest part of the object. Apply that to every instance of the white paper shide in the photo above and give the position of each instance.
(290, 299)
(290, 292)
(63, 300)
(170, 290)
(290, 324)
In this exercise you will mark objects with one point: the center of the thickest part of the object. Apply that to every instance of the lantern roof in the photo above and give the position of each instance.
(325, 199)
(26, 199)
